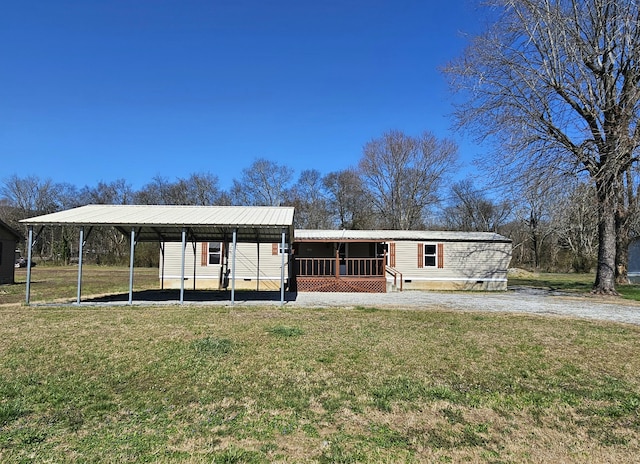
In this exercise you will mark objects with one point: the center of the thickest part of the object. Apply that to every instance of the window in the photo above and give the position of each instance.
(430, 255)
(215, 253)
(285, 250)
(276, 248)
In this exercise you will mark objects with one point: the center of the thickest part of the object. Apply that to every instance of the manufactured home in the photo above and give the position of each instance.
(348, 261)
(257, 248)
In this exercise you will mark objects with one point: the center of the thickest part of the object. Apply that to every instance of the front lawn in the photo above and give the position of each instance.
(258, 385)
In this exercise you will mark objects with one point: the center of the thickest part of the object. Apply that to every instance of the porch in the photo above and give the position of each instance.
(338, 274)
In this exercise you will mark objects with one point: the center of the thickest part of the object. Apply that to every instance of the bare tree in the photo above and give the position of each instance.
(403, 174)
(537, 205)
(576, 225)
(30, 194)
(198, 189)
(264, 183)
(556, 81)
(118, 192)
(309, 198)
(348, 200)
(202, 189)
(471, 210)
(156, 192)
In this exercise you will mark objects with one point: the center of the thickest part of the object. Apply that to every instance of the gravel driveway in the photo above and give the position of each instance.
(515, 301)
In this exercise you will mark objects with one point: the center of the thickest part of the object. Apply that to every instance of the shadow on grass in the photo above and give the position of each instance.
(173, 295)
(580, 285)
(569, 283)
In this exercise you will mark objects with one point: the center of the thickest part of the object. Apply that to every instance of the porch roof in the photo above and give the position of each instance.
(318, 235)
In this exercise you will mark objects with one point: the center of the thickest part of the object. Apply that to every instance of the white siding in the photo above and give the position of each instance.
(466, 265)
(256, 267)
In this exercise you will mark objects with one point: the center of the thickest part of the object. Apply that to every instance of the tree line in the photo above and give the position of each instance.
(401, 182)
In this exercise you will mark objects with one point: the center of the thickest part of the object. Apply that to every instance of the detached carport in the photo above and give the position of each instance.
(172, 223)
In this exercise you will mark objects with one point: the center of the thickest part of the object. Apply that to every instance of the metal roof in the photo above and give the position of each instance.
(165, 222)
(308, 235)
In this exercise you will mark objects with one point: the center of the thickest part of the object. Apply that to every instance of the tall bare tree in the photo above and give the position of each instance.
(309, 197)
(30, 195)
(264, 183)
(403, 174)
(348, 200)
(117, 192)
(556, 81)
(473, 211)
(576, 225)
(197, 189)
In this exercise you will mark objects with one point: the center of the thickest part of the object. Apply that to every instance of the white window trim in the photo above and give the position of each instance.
(434, 254)
(209, 253)
(287, 249)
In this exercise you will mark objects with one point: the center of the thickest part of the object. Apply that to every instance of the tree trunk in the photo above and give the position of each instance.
(605, 274)
(622, 247)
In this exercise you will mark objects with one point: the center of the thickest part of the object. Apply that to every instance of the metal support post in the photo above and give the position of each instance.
(233, 267)
(131, 256)
(29, 247)
(184, 246)
(80, 249)
(282, 249)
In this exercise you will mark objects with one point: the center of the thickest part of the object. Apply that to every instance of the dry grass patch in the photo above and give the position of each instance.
(60, 283)
(205, 384)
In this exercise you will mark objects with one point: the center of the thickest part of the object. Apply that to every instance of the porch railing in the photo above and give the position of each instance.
(346, 267)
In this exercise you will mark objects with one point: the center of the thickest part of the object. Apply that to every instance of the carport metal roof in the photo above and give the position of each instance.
(165, 222)
(175, 223)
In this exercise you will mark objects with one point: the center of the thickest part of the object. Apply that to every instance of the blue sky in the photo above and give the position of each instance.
(95, 90)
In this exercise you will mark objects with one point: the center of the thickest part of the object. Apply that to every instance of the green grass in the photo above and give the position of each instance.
(571, 283)
(258, 385)
(629, 292)
(581, 283)
(60, 283)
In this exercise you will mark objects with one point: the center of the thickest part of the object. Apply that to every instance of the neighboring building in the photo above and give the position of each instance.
(634, 261)
(9, 239)
(350, 261)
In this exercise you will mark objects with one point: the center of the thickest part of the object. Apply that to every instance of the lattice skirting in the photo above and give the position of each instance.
(354, 285)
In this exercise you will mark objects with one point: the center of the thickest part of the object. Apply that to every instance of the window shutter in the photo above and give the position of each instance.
(420, 255)
(440, 255)
(392, 254)
(274, 249)
(204, 254)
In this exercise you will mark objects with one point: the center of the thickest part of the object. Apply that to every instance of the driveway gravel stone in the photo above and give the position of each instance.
(520, 300)
(516, 300)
